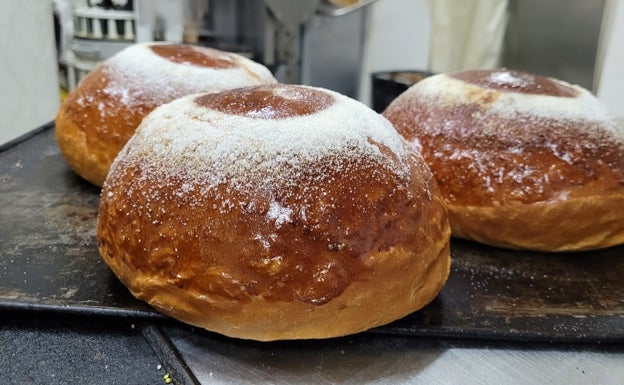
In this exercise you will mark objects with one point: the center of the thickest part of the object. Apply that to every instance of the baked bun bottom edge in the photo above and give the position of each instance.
(573, 224)
(84, 159)
(394, 293)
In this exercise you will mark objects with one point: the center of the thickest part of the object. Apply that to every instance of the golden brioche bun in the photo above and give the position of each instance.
(522, 161)
(274, 212)
(98, 117)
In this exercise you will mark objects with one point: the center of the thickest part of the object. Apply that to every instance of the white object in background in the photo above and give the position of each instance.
(95, 17)
(398, 39)
(63, 10)
(156, 17)
(100, 33)
(172, 12)
(30, 94)
(467, 34)
(609, 73)
(145, 20)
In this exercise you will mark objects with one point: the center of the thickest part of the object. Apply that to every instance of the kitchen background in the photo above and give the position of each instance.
(47, 46)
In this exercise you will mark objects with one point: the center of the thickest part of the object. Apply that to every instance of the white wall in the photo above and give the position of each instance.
(399, 39)
(610, 61)
(29, 90)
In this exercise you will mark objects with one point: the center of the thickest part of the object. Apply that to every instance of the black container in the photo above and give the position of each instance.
(388, 85)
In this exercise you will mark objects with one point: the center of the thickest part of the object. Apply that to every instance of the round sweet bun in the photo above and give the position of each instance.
(274, 212)
(523, 161)
(98, 117)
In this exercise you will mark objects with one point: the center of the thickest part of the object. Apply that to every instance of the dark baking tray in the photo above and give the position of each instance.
(49, 263)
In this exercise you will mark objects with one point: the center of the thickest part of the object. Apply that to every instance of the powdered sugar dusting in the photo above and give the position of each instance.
(446, 90)
(279, 213)
(208, 148)
(505, 77)
(140, 76)
(290, 93)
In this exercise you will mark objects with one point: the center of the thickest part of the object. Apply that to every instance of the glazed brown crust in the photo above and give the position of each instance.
(90, 140)
(211, 269)
(537, 160)
(519, 180)
(339, 244)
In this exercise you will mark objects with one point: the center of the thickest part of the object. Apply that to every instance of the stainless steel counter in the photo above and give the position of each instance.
(382, 359)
